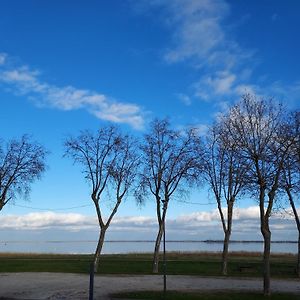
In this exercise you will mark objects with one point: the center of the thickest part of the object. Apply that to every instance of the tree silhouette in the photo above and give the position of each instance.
(170, 161)
(109, 160)
(21, 162)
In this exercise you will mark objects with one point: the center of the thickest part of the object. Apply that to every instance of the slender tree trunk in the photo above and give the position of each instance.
(266, 233)
(267, 250)
(297, 220)
(298, 260)
(1, 204)
(157, 247)
(99, 249)
(225, 253)
(227, 234)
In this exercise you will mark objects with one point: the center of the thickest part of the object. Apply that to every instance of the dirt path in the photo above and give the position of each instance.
(75, 286)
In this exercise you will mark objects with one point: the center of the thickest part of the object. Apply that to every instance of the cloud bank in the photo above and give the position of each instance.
(23, 80)
(197, 225)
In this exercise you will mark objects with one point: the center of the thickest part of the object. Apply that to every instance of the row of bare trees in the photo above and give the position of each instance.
(251, 150)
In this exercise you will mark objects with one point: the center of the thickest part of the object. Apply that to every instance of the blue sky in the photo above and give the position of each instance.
(72, 65)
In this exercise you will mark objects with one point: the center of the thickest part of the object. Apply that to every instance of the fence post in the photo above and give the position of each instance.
(91, 289)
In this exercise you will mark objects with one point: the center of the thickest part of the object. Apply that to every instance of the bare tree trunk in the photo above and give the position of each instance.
(267, 250)
(157, 247)
(227, 234)
(99, 249)
(298, 226)
(225, 253)
(266, 233)
(2, 203)
(298, 260)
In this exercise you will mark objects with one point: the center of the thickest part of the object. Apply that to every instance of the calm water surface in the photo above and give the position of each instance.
(114, 247)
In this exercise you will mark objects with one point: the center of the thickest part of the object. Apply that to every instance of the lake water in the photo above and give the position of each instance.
(114, 247)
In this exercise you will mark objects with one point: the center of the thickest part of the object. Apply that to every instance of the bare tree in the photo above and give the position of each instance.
(170, 161)
(21, 162)
(291, 178)
(109, 160)
(225, 172)
(256, 124)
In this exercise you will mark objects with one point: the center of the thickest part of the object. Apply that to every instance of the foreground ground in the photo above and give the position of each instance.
(75, 286)
(40, 276)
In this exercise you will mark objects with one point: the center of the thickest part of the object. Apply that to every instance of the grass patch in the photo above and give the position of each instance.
(204, 264)
(45, 263)
(176, 295)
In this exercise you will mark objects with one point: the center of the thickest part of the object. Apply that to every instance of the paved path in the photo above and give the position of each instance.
(75, 286)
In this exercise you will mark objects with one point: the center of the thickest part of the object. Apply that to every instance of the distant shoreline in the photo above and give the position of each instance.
(152, 241)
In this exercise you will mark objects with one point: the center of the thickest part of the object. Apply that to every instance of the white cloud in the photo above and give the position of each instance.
(221, 83)
(251, 212)
(202, 129)
(120, 113)
(2, 58)
(197, 27)
(185, 99)
(274, 17)
(135, 221)
(241, 89)
(26, 81)
(200, 35)
(45, 220)
(287, 92)
(22, 76)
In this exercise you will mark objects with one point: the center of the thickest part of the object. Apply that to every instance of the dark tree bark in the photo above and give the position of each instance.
(297, 220)
(159, 236)
(291, 179)
(227, 235)
(99, 248)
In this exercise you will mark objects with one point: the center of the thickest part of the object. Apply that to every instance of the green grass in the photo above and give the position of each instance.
(45, 263)
(176, 295)
(205, 264)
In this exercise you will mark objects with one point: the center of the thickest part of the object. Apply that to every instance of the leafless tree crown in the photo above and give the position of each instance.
(21, 162)
(170, 159)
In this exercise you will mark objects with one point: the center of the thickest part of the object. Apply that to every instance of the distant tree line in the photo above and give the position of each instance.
(252, 150)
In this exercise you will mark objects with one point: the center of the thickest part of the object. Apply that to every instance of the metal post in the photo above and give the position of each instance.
(164, 248)
(165, 263)
(91, 290)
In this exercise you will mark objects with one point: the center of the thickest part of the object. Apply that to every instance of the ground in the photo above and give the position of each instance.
(36, 286)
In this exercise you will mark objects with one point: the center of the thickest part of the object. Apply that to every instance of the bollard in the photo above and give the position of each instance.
(91, 290)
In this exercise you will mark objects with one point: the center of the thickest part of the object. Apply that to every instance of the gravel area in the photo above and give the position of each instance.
(36, 286)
